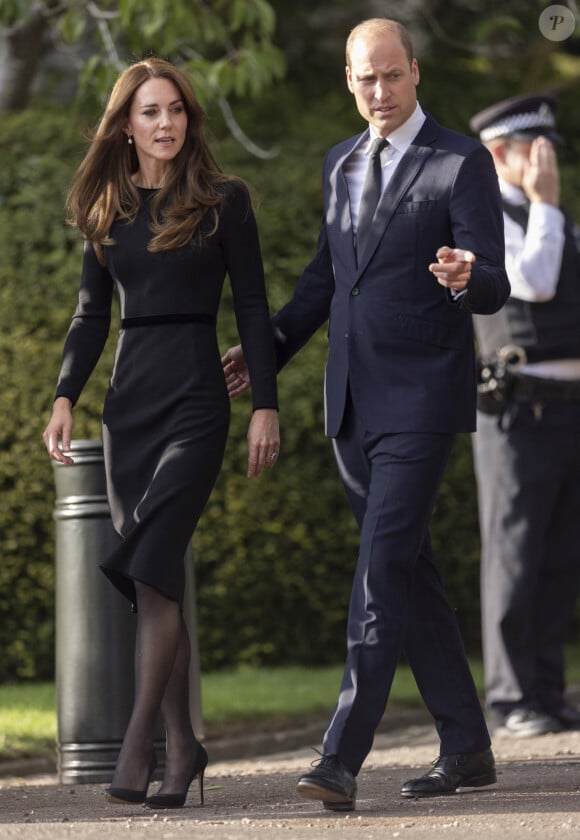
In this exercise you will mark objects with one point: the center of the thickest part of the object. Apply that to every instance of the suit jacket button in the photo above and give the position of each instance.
(355, 291)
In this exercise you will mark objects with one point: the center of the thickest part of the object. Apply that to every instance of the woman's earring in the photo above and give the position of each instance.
(130, 140)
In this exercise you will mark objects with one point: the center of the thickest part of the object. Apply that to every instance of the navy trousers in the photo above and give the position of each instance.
(397, 601)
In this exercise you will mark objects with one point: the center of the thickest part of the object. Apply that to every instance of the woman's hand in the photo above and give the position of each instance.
(263, 440)
(59, 428)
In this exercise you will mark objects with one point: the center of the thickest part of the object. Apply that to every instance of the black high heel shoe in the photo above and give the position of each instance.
(127, 796)
(177, 800)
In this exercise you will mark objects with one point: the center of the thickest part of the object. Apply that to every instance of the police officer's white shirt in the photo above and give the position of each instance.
(533, 259)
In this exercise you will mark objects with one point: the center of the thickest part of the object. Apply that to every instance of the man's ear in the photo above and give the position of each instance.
(349, 79)
(498, 149)
(415, 72)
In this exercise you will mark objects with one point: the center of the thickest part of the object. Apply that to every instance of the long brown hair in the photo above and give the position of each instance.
(102, 189)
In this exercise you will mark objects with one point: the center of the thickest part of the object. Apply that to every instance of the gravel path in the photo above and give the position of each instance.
(537, 795)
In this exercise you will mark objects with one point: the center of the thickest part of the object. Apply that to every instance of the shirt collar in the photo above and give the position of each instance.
(402, 137)
(511, 193)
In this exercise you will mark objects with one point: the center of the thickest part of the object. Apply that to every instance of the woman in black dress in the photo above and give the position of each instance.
(162, 226)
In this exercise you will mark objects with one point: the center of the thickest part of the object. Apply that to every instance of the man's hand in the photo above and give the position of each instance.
(236, 371)
(453, 269)
(541, 178)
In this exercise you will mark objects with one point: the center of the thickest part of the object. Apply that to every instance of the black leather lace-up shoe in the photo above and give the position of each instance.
(331, 782)
(450, 772)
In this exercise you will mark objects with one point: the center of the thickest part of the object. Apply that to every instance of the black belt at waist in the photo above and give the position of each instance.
(529, 388)
(176, 318)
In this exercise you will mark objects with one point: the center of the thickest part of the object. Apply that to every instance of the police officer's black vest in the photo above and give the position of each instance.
(548, 330)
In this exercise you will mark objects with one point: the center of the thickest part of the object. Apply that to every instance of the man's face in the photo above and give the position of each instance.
(516, 161)
(383, 81)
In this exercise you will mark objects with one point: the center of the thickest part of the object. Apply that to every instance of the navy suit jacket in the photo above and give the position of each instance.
(397, 337)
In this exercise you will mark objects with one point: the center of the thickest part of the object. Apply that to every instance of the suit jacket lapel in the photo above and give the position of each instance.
(341, 225)
(407, 170)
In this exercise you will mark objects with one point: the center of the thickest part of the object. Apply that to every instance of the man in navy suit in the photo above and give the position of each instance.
(400, 382)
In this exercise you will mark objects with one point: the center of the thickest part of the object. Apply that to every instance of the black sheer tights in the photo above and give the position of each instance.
(162, 653)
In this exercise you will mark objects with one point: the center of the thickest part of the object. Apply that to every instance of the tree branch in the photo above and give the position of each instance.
(101, 19)
(234, 127)
(241, 137)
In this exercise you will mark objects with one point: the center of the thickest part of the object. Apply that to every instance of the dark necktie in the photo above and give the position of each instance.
(370, 194)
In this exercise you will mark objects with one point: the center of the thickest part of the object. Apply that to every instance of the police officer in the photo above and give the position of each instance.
(527, 450)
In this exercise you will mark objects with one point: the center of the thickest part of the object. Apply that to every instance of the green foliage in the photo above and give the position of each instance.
(13, 10)
(226, 46)
(274, 556)
(263, 562)
(28, 724)
(38, 280)
(233, 700)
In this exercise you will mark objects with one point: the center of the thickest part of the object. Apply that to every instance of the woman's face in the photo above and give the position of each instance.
(157, 122)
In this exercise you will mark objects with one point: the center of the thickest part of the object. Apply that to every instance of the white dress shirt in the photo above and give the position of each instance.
(355, 167)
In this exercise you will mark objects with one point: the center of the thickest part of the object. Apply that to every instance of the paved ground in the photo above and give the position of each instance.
(537, 796)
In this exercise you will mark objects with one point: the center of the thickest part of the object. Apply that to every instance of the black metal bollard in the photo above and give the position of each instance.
(95, 629)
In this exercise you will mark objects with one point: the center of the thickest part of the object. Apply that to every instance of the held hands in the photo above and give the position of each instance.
(453, 269)
(263, 432)
(236, 371)
(59, 428)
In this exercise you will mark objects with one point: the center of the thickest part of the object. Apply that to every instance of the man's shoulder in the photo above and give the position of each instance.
(450, 140)
(431, 133)
(345, 146)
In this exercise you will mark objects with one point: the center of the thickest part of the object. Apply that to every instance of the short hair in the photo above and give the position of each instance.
(380, 26)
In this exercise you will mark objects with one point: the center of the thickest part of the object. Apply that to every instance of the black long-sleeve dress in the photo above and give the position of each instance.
(166, 412)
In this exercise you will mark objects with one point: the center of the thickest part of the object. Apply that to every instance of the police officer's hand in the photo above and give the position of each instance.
(541, 178)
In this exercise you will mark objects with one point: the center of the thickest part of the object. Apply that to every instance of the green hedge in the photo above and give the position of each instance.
(38, 276)
(274, 555)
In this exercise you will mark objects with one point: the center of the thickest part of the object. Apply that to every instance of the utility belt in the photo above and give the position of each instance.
(532, 388)
(500, 382)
